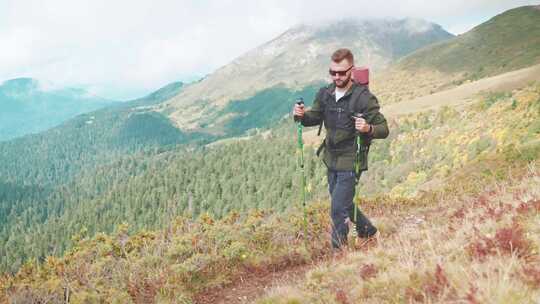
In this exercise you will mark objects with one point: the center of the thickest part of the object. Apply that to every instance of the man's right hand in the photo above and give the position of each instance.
(298, 110)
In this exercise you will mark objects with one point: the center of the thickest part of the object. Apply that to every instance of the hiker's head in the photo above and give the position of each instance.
(341, 67)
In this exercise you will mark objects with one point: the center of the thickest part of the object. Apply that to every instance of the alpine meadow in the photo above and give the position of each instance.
(193, 193)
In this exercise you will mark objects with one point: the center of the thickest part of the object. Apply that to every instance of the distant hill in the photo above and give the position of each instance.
(89, 138)
(506, 42)
(27, 107)
(39, 173)
(293, 61)
(164, 93)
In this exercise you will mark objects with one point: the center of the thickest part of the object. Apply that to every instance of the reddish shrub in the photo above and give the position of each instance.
(482, 201)
(529, 206)
(492, 192)
(341, 297)
(144, 289)
(435, 286)
(506, 207)
(507, 241)
(531, 275)
(368, 271)
(440, 277)
(481, 248)
(471, 296)
(458, 214)
(413, 296)
(497, 213)
(512, 240)
(523, 208)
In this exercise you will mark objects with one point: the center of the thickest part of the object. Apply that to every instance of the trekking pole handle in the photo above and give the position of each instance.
(300, 101)
(357, 115)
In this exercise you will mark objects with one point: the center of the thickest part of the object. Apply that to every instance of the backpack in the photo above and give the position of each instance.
(360, 76)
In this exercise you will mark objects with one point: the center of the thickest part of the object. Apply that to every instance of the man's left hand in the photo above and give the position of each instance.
(361, 125)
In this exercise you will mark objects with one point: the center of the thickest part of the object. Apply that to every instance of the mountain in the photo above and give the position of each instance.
(293, 61)
(162, 94)
(39, 173)
(27, 106)
(506, 42)
(109, 207)
(90, 138)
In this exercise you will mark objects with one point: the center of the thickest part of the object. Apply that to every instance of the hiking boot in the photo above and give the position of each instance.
(368, 242)
(366, 232)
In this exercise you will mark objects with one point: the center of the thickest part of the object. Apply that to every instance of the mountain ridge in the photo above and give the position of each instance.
(29, 106)
(507, 41)
(296, 58)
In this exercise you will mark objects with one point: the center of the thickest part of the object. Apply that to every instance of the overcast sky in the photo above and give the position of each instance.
(125, 49)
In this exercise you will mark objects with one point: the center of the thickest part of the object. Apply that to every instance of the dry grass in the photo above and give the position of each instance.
(481, 249)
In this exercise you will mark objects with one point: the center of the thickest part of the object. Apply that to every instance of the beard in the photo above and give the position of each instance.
(342, 83)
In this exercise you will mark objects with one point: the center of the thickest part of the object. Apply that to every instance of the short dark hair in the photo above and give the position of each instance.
(341, 54)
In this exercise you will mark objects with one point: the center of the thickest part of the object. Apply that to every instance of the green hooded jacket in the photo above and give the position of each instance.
(339, 146)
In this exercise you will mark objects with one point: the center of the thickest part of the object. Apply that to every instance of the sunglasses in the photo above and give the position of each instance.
(339, 73)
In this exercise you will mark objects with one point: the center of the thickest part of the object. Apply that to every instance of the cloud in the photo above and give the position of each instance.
(123, 49)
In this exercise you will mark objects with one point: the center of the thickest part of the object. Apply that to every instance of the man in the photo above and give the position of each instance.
(347, 110)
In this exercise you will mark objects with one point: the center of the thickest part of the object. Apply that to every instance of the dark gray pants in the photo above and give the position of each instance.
(341, 185)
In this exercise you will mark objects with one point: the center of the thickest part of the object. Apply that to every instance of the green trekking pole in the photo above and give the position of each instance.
(357, 173)
(300, 101)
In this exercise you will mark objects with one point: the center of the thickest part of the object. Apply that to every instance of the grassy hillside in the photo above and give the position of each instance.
(164, 93)
(54, 156)
(263, 110)
(148, 190)
(429, 167)
(506, 42)
(466, 249)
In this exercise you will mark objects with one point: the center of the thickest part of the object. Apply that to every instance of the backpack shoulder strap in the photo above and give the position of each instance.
(322, 91)
(359, 99)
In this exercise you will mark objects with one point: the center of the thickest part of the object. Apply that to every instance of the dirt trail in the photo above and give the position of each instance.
(253, 285)
(256, 282)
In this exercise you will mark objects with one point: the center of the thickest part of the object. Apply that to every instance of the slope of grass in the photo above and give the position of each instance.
(171, 265)
(506, 42)
(464, 249)
(147, 190)
(265, 108)
(189, 256)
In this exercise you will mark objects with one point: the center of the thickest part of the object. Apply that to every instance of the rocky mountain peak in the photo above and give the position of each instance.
(300, 56)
